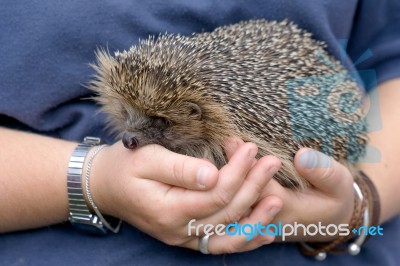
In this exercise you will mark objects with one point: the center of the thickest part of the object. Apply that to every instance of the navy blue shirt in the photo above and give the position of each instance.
(45, 48)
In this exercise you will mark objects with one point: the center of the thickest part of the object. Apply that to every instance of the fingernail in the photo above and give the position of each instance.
(268, 241)
(313, 159)
(252, 153)
(202, 174)
(273, 170)
(308, 159)
(274, 211)
(324, 161)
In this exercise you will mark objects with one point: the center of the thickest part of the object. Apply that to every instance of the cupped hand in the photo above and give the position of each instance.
(329, 199)
(159, 192)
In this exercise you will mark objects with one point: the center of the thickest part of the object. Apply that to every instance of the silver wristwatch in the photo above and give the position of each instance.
(79, 214)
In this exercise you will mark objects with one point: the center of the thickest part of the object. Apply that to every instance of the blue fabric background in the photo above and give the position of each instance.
(45, 48)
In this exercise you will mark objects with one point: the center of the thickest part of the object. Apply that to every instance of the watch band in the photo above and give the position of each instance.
(79, 214)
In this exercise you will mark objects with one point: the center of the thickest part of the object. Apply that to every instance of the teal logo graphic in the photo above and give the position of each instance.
(334, 115)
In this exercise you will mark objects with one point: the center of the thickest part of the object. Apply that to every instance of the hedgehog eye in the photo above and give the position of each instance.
(159, 122)
(194, 110)
(124, 112)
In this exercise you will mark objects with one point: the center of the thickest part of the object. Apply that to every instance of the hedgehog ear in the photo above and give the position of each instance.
(194, 110)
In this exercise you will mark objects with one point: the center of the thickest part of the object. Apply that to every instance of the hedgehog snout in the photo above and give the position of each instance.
(130, 140)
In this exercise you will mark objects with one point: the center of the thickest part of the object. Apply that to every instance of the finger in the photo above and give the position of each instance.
(231, 177)
(249, 192)
(322, 171)
(157, 163)
(297, 204)
(233, 174)
(266, 236)
(231, 145)
(232, 242)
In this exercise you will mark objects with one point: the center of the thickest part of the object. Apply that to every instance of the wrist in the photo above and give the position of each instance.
(100, 186)
(365, 214)
(78, 185)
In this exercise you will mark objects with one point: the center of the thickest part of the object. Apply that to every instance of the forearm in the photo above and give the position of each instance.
(33, 173)
(386, 173)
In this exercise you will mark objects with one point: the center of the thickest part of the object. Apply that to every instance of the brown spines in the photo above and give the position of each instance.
(250, 79)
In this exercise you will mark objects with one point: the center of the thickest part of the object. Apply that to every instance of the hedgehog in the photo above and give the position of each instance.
(267, 82)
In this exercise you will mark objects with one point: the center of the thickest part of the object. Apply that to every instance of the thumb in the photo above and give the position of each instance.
(157, 163)
(322, 171)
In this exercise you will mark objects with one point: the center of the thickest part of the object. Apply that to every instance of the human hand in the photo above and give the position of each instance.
(329, 199)
(159, 192)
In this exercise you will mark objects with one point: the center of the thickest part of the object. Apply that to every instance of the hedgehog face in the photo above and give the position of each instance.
(159, 98)
(166, 127)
